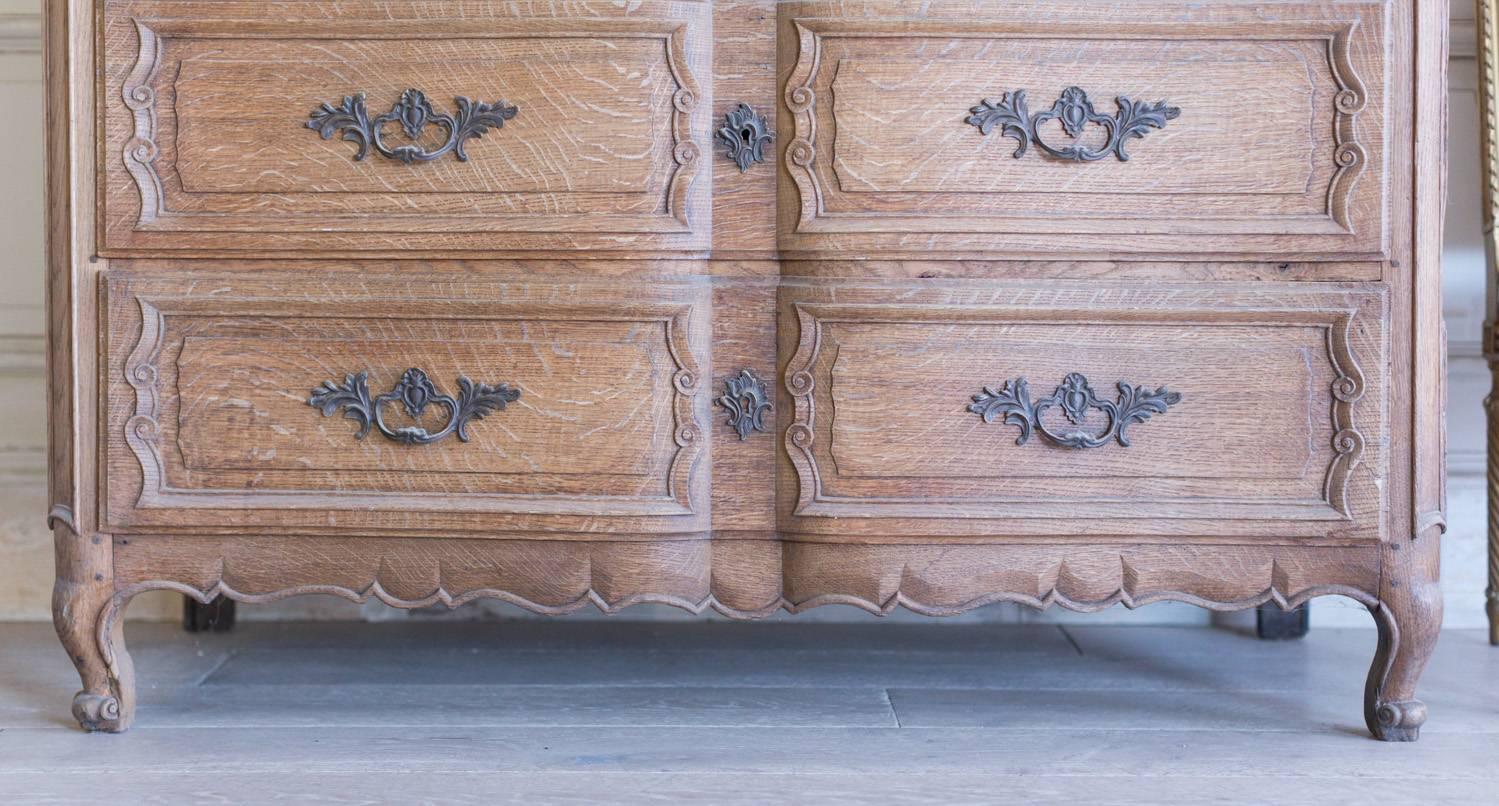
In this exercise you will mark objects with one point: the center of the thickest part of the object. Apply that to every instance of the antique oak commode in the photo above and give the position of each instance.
(747, 306)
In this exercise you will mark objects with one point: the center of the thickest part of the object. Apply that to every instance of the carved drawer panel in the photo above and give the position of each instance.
(1086, 128)
(284, 403)
(1170, 412)
(377, 126)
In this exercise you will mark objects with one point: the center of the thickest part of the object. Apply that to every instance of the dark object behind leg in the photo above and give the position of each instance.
(1274, 624)
(216, 616)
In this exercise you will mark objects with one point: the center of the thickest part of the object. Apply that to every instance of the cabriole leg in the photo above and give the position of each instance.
(1409, 616)
(80, 597)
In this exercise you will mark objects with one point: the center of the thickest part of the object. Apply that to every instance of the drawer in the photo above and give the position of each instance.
(1168, 412)
(357, 403)
(370, 126)
(1085, 128)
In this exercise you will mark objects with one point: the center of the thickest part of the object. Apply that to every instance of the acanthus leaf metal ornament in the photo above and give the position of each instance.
(1075, 112)
(415, 392)
(413, 112)
(1012, 403)
(744, 397)
(744, 135)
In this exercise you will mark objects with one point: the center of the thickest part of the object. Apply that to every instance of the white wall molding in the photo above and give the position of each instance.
(20, 33)
(1464, 36)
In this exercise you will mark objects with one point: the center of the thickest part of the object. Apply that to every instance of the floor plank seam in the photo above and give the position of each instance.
(214, 669)
(890, 703)
(1066, 633)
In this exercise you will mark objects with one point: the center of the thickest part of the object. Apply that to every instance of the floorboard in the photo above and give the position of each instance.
(566, 712)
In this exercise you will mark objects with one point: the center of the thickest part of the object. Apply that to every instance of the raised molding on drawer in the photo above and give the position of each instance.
(206, 144)
(1279, 430)
(1279, 149)
(209, 423)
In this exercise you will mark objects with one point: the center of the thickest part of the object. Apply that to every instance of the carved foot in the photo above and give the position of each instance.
(1399, 721)
(1407, 635)
(98, 712)
(87, 622)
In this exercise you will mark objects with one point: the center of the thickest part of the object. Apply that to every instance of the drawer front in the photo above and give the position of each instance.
(368, 126)
(397, 404)
(1097, 410)
(1085, 128)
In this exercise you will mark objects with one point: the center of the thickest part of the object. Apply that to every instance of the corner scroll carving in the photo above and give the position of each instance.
(1347, 389)
(140, 150)
(685, 151)
(1350, 100)
(142, 430)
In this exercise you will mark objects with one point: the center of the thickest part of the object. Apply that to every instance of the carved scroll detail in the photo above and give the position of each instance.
(140, 151)
(142, 430)
(1347, 389)
(1349, 156)
(685, 151)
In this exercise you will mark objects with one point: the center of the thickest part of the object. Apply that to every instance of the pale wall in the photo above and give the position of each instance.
(25, 545)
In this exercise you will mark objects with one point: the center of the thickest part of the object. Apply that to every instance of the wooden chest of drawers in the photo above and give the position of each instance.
(747, 306)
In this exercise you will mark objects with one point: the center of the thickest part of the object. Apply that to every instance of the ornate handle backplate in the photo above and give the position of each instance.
(1075, 112)
(744, 136)
(1013, 403)
(747, 402)
(413, 112)
(415, 392)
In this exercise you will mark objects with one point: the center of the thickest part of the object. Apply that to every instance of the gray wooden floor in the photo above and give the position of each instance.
(589, 712)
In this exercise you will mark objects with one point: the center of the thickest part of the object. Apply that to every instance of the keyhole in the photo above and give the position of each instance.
(747, 135)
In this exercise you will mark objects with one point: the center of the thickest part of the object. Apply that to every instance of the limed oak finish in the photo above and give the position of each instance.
(747, 306)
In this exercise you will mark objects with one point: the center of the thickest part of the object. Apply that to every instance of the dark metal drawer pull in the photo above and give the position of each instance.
(413, 112)
(1133, 120)
(415, 392)
(1013, 403)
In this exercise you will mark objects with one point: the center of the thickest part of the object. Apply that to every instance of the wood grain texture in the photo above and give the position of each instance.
(739, 578)
(1271, 255)
(880, 377)
(210, 425)
(744, 72)
(205, 148)
(1278, 150)
(1410, 612)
